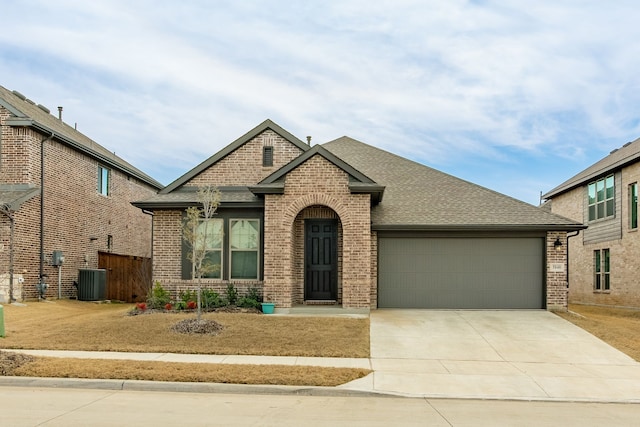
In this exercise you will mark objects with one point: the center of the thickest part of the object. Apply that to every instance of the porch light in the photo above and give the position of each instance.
(557, 244)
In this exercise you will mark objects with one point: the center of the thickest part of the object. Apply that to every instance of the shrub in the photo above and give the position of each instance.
(168, 306)
(142, 306)
(210, 299)
(158, 297)
(191, 305)
(231, 295)
(251, 300)
(188, 295)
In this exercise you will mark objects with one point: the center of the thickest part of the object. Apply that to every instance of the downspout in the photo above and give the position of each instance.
(42, 204)
(7, 211)
(150, 213)
(568, 237)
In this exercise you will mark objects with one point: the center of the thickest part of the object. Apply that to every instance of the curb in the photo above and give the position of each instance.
(183, 387)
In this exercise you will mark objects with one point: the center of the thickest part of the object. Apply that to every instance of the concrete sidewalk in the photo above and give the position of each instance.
(336, 362)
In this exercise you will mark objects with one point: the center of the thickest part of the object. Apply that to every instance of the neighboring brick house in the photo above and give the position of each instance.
(604, 261)
(86, 206)
(347, 224)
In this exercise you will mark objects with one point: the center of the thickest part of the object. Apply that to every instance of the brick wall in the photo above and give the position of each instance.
(244, 165)
(167, 259)
(625, 285)
(317, 182)
(556, 271)
(74, 211)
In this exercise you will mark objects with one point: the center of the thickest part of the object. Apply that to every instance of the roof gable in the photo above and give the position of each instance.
(253, 133)
(629, 153)
(358, 182)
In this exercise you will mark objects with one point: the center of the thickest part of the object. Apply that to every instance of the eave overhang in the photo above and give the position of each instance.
(106, 160)
(478, 227)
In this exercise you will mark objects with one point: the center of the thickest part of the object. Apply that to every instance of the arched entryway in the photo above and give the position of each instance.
(317, 263)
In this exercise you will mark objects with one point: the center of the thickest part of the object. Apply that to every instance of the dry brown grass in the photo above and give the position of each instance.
(74, 325)
(188, 372)
(618, 327)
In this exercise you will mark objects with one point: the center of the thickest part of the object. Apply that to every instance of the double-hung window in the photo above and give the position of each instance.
(232, 245)
(103, 180)
(633, 206)
(601, 198)
(211, 232)
(244, 243)
(602, 270)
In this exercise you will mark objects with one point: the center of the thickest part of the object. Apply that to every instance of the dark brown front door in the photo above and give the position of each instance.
(321, 259)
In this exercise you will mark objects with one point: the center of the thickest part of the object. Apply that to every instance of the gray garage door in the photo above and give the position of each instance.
(481, 273)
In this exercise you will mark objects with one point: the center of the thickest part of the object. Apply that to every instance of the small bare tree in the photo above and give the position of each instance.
(197, 233)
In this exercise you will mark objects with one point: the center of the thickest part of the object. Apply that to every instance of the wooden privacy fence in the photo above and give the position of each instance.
(128, 277)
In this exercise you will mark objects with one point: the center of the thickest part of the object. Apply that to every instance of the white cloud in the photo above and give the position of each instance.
(167, 84)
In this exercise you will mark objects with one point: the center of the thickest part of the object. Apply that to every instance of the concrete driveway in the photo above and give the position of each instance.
(531, 355)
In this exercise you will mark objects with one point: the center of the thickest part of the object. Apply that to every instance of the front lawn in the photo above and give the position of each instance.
(619, 327)
(75, 325)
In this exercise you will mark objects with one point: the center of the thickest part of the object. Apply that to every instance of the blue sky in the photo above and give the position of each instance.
(514, 99)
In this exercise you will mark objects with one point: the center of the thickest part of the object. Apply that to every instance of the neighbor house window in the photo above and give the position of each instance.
(244, 236)
(267, 156)
(213, 230)
(103, 180)
(601, 198)
(633, 206)
(602, 269)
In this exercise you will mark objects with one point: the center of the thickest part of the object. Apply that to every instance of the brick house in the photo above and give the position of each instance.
(604, 259)
(77, 201)
(347, 224)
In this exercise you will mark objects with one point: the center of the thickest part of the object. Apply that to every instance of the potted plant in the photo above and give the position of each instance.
(268, 306)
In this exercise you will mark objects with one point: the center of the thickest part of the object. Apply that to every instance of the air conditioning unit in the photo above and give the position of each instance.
(92, 284)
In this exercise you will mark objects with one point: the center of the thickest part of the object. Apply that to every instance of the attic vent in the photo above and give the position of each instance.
(30, 101)
(19, 95)
(267, 155)
(43, 108)
(613, 151)
(627, 144)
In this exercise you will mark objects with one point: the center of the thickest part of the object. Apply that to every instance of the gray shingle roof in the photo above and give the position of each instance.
(419, 197)
(617, 159)
(186, 196)
(29, 114)
(12, 196)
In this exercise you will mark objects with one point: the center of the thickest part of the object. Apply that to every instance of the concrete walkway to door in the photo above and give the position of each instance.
(528, 355)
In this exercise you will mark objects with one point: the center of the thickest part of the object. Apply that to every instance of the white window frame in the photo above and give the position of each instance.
(601, 202)
(231, 250)
(104, 188)
(219, 273)
(602, 270)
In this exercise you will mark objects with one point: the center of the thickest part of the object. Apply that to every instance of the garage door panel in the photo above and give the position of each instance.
(460, 272)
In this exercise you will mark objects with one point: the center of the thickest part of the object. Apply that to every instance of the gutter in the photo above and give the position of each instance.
(477, 227)
(568, 237)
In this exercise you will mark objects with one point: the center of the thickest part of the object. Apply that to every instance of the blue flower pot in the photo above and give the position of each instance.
(268, 307)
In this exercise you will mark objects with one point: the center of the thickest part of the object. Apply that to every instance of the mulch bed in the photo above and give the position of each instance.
(9, 362)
